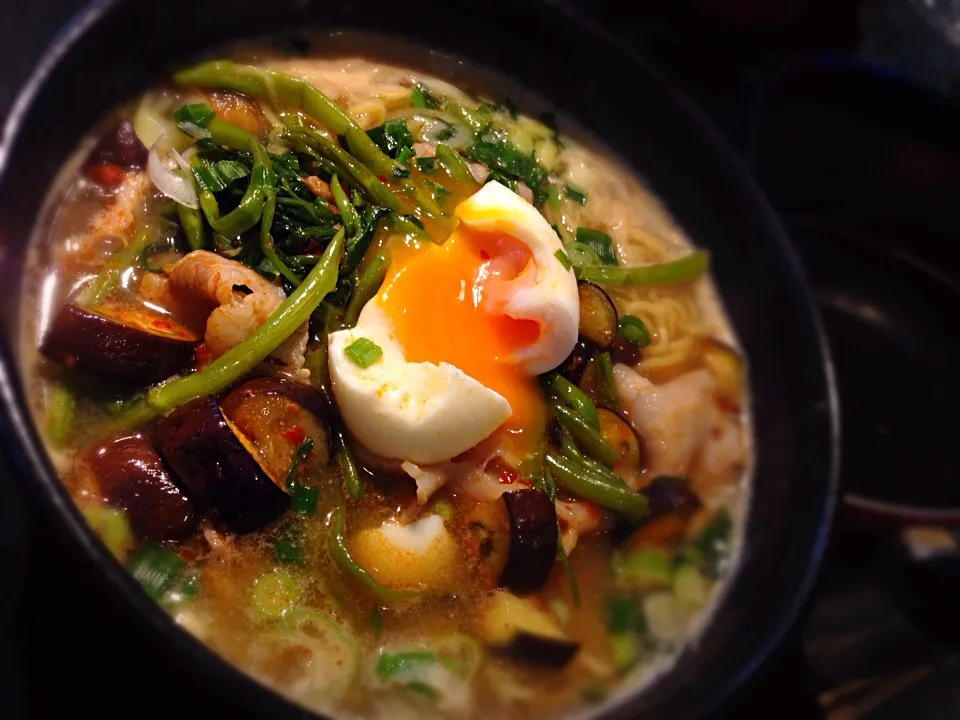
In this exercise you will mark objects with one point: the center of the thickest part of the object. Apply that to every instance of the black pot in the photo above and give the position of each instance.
(115, 48)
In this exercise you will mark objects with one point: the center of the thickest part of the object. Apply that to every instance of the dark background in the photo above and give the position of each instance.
(857, 654)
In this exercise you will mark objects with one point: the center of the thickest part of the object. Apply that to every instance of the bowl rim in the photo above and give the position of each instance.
(29, 456)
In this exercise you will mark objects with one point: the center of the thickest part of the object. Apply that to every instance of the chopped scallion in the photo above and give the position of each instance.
(577, 196)
(392, 664)
(599, 242)
(155, 568)
(363, 352)
(198, 114)
(422, 97)
(564, 260)
(633, 330)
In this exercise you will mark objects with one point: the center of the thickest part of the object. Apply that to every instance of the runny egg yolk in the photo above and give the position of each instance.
(442, 301)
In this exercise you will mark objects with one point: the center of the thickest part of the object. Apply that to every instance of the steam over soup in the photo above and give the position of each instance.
(400, 400)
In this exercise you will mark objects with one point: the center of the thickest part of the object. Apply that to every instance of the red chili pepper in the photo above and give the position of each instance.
(108, 174)
(508, 477)
(382, 178)
(295, 434)
(202, 356)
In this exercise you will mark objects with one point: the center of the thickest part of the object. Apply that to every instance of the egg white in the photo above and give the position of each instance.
(428, 413)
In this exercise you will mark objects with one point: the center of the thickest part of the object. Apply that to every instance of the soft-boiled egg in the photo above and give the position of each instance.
(464, 329)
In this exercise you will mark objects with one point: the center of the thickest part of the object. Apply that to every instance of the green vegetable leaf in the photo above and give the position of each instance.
(363, 352)
(427, 165)
(503, 158)
(422, 97)
(299, 455)
(392, 137)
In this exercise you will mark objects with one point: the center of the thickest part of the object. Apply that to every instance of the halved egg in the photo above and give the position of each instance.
(464, 327)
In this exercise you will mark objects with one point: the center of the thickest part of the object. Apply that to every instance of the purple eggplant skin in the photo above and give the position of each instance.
(132, 477)
(533, 540)
(105, 345)
(120, 146)
(532, 649)
(212, 462)
(668, 493)
(312, 412)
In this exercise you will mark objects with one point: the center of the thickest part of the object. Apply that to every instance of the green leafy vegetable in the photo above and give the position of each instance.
(392, 137)
(422, 97)
(427, 165)
(363, 352)
(504, 158)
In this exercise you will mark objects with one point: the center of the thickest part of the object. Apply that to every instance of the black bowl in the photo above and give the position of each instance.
(115, 48)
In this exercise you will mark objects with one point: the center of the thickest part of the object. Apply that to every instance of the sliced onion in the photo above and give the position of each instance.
(171, 173)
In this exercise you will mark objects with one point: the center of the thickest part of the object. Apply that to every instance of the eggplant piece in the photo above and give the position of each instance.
(516, 538)
(130, 346)
(578, 360)
(598, 315)
(533, 540)
(622, 437)
(212, 460)
(120, 146)
(275, 415)
(522, 630)
(133, 477)
(669, 493)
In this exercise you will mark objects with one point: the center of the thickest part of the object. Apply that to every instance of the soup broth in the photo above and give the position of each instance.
(399, 399)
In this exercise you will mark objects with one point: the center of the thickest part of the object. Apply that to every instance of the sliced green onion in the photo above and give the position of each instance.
(111, 526)
(440, 506)
(299, 455)
(274, 594)
(581, 255)
(155, 568)
(392, 664)
(633, 330)
(198, 114)
(564, 260)
(576, 195)
(363, 352)
(599, 242)
(685, 269)
(61, 407)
